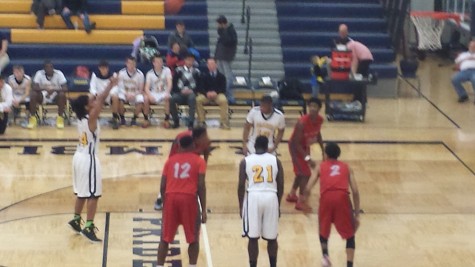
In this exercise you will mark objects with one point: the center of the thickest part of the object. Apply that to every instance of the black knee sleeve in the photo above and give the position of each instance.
(323, 240)
(350, 242)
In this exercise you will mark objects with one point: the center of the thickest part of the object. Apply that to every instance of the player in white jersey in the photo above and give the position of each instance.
(21, 86)
(49, 87)
(87, 180)
(99, 81)
(158, 84)
(260, 207)
(131, 83)
(264, 120)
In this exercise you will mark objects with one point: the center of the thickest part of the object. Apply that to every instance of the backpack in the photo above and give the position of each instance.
(290, 89)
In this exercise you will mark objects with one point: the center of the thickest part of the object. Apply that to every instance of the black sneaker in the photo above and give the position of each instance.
(158, 204)
(115, 124)
(75, 224)
(462, 99)
(175, 125)
(133, 122)
(122, 121)
(90, 233)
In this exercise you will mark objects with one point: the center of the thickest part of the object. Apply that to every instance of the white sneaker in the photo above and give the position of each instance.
(326, 261)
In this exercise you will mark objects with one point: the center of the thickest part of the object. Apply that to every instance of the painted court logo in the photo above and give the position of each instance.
(146, 237)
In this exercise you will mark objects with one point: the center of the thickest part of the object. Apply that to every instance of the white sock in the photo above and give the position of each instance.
(159, 196)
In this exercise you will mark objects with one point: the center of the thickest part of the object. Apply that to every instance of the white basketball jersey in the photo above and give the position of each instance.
(19, 88)
(158, 81)
(264, 125)
(131, 82)
(97, 85)
(52, 83)
(261, 170)
(88, 141)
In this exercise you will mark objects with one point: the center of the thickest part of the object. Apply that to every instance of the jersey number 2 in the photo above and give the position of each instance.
(182, 171)
(335, 170)
(257, 178)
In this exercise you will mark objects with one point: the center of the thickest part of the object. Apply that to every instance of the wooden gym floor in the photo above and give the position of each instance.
(413, 159)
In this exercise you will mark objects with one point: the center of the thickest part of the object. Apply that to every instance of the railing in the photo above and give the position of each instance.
(248, 21)
(396, 12)
(243, 12)
(250, 61)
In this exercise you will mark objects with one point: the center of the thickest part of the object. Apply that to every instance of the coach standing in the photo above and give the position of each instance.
(226, 51)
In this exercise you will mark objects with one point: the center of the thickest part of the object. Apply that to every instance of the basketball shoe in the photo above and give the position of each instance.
(326, 261)
(292, 198)
(158, 204)
(75, 224)
(32, 122)
(60, 122)
(90, 233)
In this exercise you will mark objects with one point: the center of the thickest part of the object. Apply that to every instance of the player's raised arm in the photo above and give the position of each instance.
(99, 103)
(241, 184)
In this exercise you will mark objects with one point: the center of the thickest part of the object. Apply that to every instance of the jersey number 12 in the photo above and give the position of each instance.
(182, 171)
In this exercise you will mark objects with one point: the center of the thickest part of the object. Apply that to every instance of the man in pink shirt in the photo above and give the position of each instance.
(362, 57)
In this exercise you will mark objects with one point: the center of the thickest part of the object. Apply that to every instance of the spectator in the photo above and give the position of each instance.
(79, 8)
(158, 84)
(213, 90)
(180, 37)
(173, 58)
(185, 85)
(131, 83)
(21, 87)
(99, 81)
(362, 58)
(466, 63)
(226, 51)
(4, 58)
(343, 37)
(41, 8)
(6, 98)
(49, 87)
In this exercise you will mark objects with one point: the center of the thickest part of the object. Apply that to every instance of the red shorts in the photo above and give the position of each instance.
(301, 167)
(335, 207)
(180, 209)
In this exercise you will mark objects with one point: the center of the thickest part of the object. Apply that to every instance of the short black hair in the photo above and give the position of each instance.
(18, 67)
(179, 22)
(2, 77)
(222, 19)
(197, 132)
(261, 143)
(332, 150)
(186, 141)
(103, 63)
(315, 100)
(130, 57)
(266, 99)
(79, 106)
(47, 62)
(189, 55)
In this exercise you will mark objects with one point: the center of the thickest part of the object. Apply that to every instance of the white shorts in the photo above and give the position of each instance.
(260, 215)
(51, 99)
(18, 97)
(87, 179)
(137, 99)
(158, 97)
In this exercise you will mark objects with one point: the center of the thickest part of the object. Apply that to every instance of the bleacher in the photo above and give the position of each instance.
(118, 24)
(308, 27)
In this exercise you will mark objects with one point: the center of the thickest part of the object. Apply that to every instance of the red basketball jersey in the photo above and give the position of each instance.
(334, 175)
(176, 144)
(182, 172)
(311, 128)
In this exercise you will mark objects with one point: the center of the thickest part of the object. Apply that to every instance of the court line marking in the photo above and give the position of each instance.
(106, 240)
(434, 105)
(209, 259)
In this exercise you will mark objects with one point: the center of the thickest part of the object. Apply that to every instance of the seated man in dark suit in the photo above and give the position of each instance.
(213, 90)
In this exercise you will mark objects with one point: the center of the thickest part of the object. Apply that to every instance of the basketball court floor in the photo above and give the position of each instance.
(413, 159)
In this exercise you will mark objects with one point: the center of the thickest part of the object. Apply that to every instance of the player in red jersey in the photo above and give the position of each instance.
(306, 133)
(202, 147)
(336, 178)
(183, 180)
